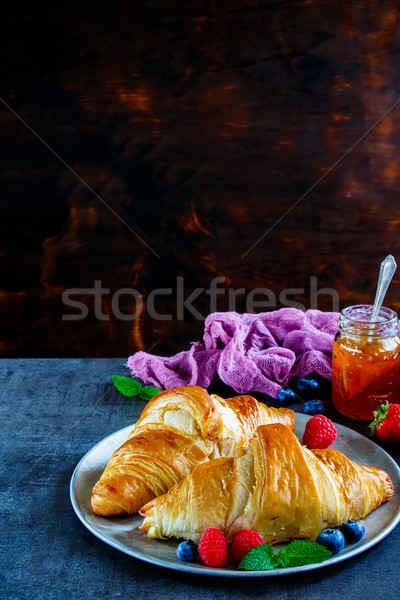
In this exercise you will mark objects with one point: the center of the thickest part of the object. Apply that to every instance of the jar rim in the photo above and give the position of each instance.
(387, 313)
(355, 320)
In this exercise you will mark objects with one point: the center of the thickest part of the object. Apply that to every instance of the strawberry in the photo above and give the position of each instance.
(213, 548)
(320, 432)
(244, 541)
(386, 426)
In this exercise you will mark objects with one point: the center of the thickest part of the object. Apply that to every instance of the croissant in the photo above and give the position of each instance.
(275, 486)
(178, 429)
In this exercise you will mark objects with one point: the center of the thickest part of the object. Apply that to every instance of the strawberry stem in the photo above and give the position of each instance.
(380, 416)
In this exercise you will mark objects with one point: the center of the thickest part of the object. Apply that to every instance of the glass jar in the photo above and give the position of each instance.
(365, 361)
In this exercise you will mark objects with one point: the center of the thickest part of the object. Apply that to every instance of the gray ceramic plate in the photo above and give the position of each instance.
(123, 533)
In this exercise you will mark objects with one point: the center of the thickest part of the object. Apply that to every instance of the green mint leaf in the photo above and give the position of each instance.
(303, 552)
(280, 559)
(258, 559)
(147, 393)
(127, 386)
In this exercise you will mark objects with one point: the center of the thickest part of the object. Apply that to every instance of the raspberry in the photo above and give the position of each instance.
(320, 432)
(244, 541)
(213, 548)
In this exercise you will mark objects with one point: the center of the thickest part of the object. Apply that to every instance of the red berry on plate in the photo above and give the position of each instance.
(320, 432)
(386, 426)
(244, 541)
(213, 548)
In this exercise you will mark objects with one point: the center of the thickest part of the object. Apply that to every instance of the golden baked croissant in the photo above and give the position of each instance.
(275, 486)
(178, 429)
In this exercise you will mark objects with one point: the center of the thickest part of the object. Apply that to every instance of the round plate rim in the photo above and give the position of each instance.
(198, 569)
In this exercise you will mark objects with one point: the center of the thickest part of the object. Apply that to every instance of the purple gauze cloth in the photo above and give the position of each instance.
(248, 352)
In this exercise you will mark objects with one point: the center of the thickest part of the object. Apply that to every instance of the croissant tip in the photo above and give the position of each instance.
(389, 490)
(147, 508)
(104, 507)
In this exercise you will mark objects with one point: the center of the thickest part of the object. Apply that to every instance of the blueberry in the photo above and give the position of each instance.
(307, 385)
(286, 397)
(353, 531)
(187, 551)
(313, 407)
(332, 539)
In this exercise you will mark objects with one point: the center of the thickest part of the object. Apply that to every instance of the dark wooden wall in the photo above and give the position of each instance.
(201, 127)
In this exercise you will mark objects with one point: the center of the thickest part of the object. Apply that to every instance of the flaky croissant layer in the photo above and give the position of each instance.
(275, 486)
(177, 430)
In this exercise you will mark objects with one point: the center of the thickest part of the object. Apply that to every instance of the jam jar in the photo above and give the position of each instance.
(365, 361)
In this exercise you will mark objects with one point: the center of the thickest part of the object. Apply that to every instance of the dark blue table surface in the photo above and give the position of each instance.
(52, 412)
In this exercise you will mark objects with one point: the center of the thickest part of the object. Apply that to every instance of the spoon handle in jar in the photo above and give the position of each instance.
(386, 272)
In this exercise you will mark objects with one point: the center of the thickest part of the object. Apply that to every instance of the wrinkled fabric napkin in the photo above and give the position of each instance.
(249, 352)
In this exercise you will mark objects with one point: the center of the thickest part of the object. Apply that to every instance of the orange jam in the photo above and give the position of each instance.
(365, 362)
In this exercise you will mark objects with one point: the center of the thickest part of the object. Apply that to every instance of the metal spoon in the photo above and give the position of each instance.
(386, 272)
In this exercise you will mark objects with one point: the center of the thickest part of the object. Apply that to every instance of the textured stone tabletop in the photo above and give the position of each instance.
(52, 412)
